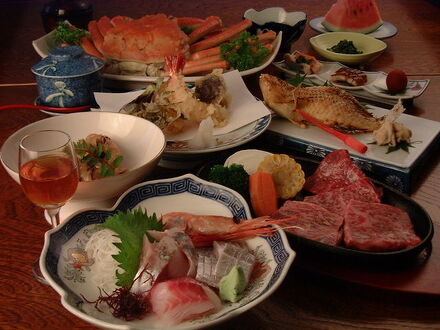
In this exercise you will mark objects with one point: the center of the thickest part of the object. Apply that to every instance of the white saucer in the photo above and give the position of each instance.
(386, 30)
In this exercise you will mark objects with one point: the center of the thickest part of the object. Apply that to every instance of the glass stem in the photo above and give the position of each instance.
(54, 215)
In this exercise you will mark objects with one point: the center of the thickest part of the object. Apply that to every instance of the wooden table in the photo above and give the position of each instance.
(307, 299)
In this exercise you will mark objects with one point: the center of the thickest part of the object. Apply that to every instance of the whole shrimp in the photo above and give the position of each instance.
(174, 92)
(205, 229)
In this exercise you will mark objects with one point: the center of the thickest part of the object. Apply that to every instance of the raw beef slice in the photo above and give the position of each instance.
(315, 222)
(377, 227)
(337, 200)
(336, 170)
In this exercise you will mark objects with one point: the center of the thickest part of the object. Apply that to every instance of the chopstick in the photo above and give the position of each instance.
(18, 84)
(347, 139)
(40, 107)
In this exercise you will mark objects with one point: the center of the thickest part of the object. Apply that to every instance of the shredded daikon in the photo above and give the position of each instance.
(100, 247)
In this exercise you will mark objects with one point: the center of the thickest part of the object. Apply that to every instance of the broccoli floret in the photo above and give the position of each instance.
(234, 177)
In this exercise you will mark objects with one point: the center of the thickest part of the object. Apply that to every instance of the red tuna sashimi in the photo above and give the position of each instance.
(377, 227)
(337, 200)
(182, 299)
(336, 170)
(314, 222)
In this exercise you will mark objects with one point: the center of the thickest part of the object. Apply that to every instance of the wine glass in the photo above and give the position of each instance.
(48, 172)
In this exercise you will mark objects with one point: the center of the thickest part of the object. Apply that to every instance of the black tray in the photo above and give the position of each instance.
(421, 221)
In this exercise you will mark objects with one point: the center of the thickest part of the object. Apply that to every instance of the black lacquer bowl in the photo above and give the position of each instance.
(277, 19)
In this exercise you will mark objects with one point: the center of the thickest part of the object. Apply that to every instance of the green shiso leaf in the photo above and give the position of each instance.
(130, 227)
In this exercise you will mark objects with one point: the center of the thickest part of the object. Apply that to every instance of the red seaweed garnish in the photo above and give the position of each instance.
(123, 303)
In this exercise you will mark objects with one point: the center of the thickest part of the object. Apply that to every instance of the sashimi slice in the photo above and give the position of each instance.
(182, 299)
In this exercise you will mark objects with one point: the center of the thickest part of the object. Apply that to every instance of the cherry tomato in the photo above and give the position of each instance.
(396, 81)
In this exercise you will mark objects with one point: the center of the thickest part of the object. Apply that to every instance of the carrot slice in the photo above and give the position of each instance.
(263, 194)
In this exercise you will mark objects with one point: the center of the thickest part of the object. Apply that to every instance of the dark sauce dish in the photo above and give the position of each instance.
(277, 19)
(420, 219)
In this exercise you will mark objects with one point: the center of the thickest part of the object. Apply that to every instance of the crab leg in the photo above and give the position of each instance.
(96, 36)
(189, 22)
(205, 67)
(222, 36)
(205, 53)
(203, 60)
(211, 23)
(90, 48)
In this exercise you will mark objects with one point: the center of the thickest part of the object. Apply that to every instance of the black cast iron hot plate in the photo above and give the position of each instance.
(420, 219)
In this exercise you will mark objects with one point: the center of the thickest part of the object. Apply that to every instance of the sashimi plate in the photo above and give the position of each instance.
(375, 87)
(44, 44)
(186, 193)
(386, 30)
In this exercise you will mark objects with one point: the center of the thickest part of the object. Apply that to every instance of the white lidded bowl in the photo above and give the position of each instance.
(140, 141)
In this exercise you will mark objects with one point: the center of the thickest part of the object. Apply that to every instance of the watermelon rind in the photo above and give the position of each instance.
(334, 28)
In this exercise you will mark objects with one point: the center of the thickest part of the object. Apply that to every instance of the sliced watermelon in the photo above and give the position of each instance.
(354, 16)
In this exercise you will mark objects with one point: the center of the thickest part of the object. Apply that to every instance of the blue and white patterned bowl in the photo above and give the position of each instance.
(186, 193)
(68, 77)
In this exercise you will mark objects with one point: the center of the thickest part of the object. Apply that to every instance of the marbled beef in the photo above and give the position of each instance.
(337, 199)
(377, 227)
(336, 170)
(315, 222)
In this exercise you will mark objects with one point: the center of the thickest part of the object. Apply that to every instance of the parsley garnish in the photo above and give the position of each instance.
(68, 34)
(243, 53)
(130, 226)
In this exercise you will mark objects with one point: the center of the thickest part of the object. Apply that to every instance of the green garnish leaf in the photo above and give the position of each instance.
(244, 53)
(92, 156)
(297, 80)
(404, 145)
(68, 34)
(118, 160)
(130, 227)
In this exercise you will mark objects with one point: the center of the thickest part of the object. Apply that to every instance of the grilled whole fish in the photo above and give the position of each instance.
(330, 105)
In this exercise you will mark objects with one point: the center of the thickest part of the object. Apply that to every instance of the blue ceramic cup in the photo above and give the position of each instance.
(68, 77)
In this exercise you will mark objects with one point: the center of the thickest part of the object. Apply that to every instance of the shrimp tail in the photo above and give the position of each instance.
(175, 64)
(250, 228)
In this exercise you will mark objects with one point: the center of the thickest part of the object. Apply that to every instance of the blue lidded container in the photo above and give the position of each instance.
(68, 77)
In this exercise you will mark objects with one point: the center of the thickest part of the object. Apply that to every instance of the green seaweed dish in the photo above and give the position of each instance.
(345, 47)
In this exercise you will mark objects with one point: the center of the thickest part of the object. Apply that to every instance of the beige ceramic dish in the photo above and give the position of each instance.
(371, 48)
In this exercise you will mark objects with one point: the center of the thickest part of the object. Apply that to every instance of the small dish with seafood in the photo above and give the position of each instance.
(74, 273)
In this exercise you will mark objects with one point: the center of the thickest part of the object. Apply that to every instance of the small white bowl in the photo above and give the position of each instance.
(371, 48)
(141, 142)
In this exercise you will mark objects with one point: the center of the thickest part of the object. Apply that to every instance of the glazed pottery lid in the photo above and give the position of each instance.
(68, 61)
